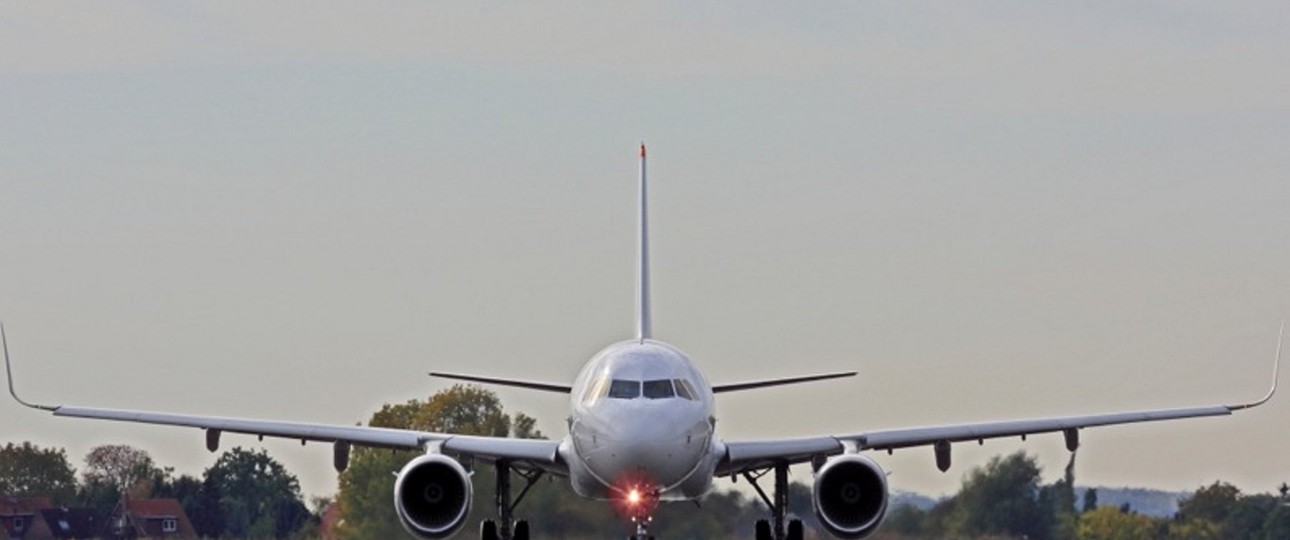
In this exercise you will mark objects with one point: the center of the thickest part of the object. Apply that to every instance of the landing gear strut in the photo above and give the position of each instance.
(642, 528)
(504, 528)
(776, 530)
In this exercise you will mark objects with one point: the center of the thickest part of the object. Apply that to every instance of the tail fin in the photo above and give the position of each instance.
(643, 330)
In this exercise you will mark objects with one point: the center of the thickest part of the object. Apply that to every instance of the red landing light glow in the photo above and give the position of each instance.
(636, 497)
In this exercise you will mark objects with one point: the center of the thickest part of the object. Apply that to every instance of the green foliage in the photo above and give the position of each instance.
(1211, 503)
(27, 470)
(367, 486)
(1107, 523)
(1277, 524)
(1002, 498)
(256, 495)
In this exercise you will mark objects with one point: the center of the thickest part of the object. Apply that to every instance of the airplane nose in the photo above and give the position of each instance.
(668, 452)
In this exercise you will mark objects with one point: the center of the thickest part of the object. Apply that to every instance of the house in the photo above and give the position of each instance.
(72, 523)
(21, 519)
(149, 518)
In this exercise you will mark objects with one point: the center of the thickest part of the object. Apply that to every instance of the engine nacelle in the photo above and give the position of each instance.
(432, 496)
(850, 496)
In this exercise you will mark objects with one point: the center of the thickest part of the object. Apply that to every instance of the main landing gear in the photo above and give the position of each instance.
(504, 528)
(775, 529)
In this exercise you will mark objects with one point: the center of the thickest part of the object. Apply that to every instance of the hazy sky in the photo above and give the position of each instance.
(990, 210)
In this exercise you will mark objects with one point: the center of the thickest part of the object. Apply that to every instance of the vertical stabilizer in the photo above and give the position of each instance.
(643, 330)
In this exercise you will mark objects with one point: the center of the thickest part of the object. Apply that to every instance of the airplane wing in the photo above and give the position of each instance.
(745, 456)
(539, 453)
(752, 455)
(735, 387)
(531, 385)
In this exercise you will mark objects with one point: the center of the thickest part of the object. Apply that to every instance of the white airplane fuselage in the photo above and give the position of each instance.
(642, 420)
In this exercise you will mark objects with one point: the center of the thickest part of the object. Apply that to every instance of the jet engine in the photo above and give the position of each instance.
(432, 496)
(850, 496)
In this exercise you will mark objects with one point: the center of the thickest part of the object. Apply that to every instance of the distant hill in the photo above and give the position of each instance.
(917, 500)
(1148, 502)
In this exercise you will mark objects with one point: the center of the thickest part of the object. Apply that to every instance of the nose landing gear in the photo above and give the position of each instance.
(642, 528)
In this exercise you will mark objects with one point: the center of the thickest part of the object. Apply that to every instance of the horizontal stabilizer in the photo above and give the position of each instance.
(561, 388)
(778, 382)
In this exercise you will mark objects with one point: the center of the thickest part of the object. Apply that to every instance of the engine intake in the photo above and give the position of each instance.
(432, 496)
(850, 496)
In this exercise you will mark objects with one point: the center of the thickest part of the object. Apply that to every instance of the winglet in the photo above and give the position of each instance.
(643, 330)
(1276, 368)
(4, 340)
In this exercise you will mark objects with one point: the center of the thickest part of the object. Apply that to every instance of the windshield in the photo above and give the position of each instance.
(624, 389)
(659, 389)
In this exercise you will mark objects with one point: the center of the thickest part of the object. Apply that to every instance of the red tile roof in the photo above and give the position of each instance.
(154, 507)
(15, 505)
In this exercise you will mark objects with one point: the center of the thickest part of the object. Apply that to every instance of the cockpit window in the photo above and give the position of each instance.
(659, 389)
(624, 389)
(683, 389)
(597, 390)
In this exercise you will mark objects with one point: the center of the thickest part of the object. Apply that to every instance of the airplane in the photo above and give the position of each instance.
(641, 431)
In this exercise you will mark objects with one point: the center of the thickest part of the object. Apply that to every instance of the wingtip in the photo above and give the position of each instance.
(1276, 373)
(8, 371)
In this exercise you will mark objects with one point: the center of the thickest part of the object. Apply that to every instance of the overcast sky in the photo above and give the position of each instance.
(990, 210)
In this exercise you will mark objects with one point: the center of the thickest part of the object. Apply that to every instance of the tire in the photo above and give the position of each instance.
(521, 530)
(795, 530)
(488, 530)
(763, 530)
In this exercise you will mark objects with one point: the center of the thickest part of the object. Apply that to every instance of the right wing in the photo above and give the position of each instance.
(746, 456)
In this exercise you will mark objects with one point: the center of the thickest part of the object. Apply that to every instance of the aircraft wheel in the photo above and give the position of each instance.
(795, 530)
(487, 530)
(521, 530)
(763, 530)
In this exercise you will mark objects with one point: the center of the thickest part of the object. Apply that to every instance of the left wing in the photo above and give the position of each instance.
(538, 453)
(744, 456)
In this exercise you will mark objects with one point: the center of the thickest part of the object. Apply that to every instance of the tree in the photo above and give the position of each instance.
(256, 495)
(1090, 499)
(1002, 499)
(366, 487)
(120, 467)
(1107, 523)
(30, 471)
(1213, 502)
(1059, 499)
(1277, 524)
(113, 470)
